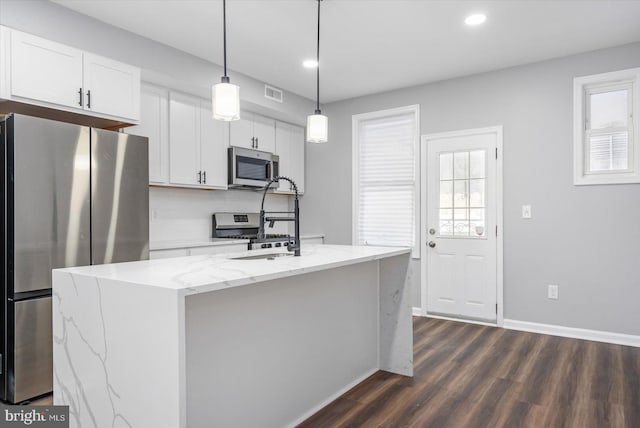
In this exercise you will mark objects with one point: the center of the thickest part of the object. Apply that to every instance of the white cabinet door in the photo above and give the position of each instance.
(283, 149)
(214, 141)
(111, 87)
(290, 150)
(296, 156)
(45, 71)
(241, 131)
(184, 139)
(154, 124)
(264, 132)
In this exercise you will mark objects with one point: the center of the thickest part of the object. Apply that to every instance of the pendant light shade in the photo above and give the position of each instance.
(317, 123)
(226, 101)
(317, 128)
(225, 96)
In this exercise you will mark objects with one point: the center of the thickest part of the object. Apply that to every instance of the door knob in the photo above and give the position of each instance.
(432, 244)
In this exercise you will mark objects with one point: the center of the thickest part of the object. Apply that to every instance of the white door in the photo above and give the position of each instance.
(462, 224)
(111, 87)
(45, 71)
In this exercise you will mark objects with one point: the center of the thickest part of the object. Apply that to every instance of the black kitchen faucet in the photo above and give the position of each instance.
(296, 216)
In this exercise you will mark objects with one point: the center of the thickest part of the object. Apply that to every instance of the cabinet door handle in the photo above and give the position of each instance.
(256, 142)
(80, 95)
(253, 143)
(89, 98)
(204, 177)
(199, 177)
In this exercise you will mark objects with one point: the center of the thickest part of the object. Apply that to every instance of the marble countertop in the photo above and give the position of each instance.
(208, 242)
(198, 274)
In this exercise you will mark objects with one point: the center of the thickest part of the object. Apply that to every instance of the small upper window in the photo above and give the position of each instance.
(605, 135)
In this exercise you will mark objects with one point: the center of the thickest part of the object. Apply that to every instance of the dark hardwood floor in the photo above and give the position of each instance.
(469, 375)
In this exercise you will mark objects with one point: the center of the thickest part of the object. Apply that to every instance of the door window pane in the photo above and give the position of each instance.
(446, 194)
(446, 166)
(460, 165)
(476, 164)
(463, 188)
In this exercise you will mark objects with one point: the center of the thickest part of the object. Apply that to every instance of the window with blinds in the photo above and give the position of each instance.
(608, 128)
(385, 178)
(605, 132)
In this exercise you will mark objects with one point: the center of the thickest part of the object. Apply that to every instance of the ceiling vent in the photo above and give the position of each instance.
(273, 94)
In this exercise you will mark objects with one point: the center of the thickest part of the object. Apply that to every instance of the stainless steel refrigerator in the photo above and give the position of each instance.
(72, 196)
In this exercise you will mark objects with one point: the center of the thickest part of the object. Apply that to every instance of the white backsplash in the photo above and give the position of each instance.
(179, 214)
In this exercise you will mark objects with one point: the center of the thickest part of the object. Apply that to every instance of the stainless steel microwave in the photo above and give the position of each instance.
(251, 168)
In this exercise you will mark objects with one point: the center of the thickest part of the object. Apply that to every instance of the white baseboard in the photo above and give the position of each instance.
(468, 321)
(576, 333)
(417, 312)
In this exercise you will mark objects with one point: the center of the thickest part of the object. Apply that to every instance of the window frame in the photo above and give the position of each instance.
(583, 88)
(355, 168)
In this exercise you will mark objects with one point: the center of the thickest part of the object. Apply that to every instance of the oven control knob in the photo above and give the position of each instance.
(263, 246)
(278, 244)
(268, 245)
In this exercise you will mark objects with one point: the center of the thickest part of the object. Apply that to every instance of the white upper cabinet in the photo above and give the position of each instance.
(241, 131)
(38, 71)
(290, 149)
(197, 144)
(154, 124)
(111, 87)
(253, 131)
(214, 142)
(264, 131)
(184, 140)
(45, 71)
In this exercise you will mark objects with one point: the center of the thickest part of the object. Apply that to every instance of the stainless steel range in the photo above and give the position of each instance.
(245, 226)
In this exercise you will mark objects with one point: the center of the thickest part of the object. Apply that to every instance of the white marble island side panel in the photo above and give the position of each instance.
(118, 352)
(120, 330)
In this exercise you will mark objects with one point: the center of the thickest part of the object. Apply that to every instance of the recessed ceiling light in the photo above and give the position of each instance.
(475, 19)
(310, 63)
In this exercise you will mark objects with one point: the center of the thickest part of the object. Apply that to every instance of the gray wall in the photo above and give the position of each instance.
(159, 63)
(586, 239)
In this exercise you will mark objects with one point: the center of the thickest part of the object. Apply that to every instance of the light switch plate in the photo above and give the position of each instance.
(552, 292)
(526, 211)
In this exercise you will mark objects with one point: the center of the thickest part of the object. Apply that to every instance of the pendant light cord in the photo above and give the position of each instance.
(224, 34)
(318, 66)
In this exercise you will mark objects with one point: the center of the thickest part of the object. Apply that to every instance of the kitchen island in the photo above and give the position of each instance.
(208, 341)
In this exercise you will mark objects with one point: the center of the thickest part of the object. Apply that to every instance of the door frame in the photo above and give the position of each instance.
(424, 140)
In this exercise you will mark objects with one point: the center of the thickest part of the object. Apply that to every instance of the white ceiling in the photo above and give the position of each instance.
(370, 46)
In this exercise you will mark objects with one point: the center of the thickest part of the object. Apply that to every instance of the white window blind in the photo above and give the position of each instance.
(386, 180)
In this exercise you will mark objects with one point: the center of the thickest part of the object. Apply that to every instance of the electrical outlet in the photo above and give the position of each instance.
(552, 292)
(526, 211)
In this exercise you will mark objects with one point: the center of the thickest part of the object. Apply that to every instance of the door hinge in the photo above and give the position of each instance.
(496, 230)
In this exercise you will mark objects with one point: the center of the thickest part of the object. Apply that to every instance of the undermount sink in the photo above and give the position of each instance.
(269, 256)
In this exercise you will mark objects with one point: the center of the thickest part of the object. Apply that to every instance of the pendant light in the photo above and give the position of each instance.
(225, 97)
(317, 123)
